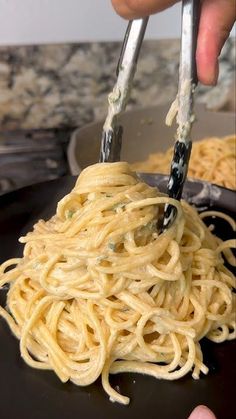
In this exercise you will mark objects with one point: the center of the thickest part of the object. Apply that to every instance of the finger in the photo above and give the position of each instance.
(131, 9)
(216, 22)
(202, 412)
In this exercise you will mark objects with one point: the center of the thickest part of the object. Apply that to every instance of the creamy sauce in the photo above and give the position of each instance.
(181, 113)
(118, 98)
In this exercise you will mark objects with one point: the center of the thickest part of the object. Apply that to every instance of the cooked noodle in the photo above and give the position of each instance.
(99, 290)
(212, 159)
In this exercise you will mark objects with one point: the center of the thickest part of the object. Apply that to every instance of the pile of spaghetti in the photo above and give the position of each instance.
(212, 159)
(100, 290)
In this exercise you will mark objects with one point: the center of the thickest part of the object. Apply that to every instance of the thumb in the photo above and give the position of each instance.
(216, 22)
(202, 412)
(131, 9)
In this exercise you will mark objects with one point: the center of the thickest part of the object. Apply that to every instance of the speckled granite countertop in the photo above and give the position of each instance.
(67, 85)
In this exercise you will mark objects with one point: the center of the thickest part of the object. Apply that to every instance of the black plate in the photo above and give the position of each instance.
(27, 393)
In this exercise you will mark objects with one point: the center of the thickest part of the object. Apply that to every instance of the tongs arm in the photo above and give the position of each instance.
(117, 99)
(185, 117)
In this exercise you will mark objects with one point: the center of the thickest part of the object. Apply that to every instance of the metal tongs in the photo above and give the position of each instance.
(117, 99)
(185, 117)
(112, 131)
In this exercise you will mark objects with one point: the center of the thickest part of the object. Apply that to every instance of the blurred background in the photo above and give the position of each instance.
(53, 21)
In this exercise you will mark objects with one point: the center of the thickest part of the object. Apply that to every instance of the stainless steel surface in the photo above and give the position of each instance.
(132, 43)
(185, 118)
(145, 132)
(117, 100)
(187, 68)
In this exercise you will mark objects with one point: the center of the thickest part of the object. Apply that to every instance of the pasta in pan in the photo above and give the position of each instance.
(212, 159)
(100, 290)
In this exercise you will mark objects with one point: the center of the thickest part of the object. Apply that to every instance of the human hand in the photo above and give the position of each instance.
(202, 412)
(216, 21)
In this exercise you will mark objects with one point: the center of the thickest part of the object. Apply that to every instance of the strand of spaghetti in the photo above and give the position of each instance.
(218, 214)
(154, 370)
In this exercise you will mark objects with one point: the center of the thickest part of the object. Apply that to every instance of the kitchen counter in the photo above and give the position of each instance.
(67, 85)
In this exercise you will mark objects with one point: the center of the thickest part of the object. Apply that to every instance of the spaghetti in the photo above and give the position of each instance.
(212, 159)
(100, 290)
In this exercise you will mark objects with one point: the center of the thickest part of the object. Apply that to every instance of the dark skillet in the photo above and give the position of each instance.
(26, 393)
